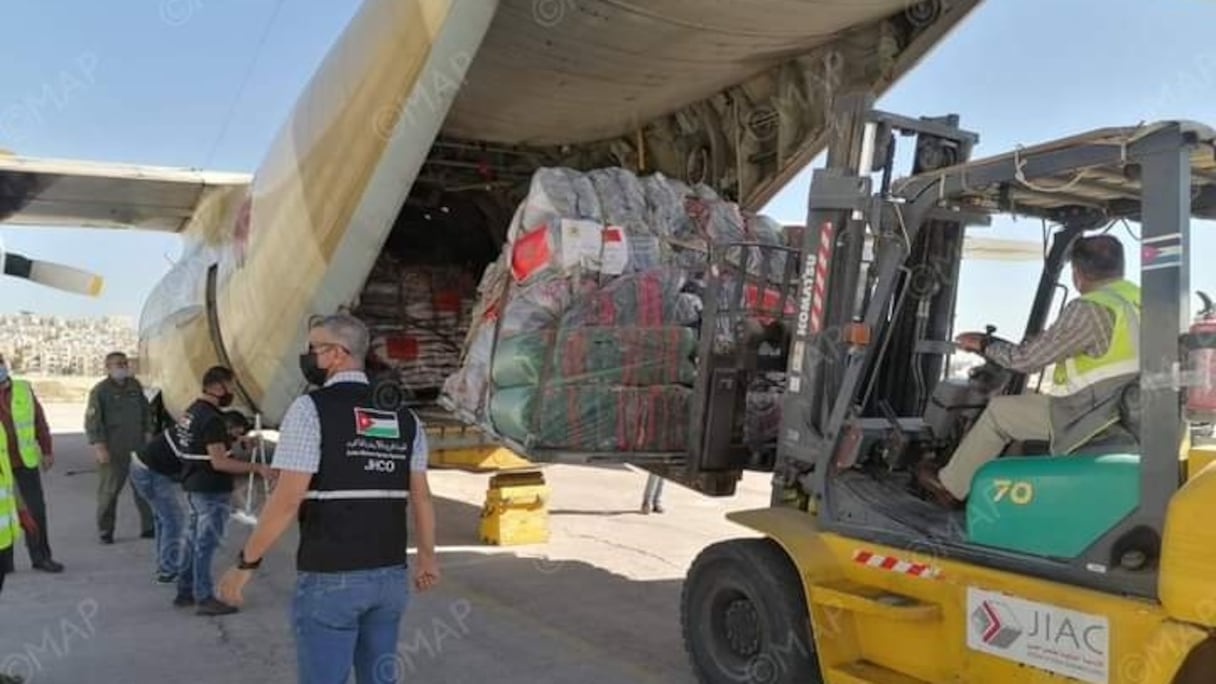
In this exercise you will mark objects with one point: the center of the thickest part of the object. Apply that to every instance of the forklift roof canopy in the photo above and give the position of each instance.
(1090, 171)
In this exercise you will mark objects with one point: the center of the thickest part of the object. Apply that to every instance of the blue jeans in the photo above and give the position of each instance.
(161, 493)
(345, 619)
(204, 529)
(654, 490)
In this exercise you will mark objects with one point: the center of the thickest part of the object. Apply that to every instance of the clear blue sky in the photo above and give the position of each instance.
(158, 81)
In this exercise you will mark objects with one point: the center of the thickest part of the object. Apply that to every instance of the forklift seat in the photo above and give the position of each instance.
(1120, 438)
(1053, 507)
(1057, 507)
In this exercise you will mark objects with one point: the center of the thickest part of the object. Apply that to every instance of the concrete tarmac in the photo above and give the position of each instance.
(598, 604)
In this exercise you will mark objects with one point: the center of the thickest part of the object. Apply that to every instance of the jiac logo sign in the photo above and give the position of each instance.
(1041, 635)
(997, 623)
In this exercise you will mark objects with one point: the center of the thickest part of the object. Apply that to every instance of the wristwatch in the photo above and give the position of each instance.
(243, 564)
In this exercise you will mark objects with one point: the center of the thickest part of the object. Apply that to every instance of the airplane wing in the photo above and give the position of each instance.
(81, 194)
(1000, 249)
(60, 192)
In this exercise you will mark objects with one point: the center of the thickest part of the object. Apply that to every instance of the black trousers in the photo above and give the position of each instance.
(6, 564)
(29, 483)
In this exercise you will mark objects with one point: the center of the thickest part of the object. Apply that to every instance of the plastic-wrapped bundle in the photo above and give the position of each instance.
(665, 206)
(594, 264)
(556, 194)
(571, 247)
(597, 418)
(528, 308)
(722, 223)
(559, 229)
(716, 220)
(539, 305)
(465, 390)
(623, 201)
(645, 299)
(532, 307)
(618, 356)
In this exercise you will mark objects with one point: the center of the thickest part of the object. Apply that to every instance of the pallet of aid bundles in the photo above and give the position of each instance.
(586, 329)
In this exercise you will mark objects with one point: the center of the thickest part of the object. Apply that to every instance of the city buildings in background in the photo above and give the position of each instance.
(54, 345)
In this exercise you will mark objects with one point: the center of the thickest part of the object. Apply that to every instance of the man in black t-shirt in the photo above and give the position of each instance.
(155, 472)
(201, 440)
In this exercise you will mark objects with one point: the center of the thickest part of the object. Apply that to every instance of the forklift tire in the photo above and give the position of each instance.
(1199, 665)
(744, 617)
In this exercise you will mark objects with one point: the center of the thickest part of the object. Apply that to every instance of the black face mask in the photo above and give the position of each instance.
(225, 399)
(314, 374)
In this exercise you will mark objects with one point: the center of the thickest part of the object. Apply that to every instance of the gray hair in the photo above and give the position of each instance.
(350, 331)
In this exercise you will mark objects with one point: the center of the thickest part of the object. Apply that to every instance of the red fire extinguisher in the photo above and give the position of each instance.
(1201, 360)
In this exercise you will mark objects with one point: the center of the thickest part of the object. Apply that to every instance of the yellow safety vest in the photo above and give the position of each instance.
(22, 407)
(1122, 357)
(10, 526)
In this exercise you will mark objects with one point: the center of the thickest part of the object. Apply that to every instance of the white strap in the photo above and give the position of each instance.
(359, 494)
(1075, 382)
(178, 452)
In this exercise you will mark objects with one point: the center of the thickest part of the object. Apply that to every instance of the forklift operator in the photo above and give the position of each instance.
(1094, 346)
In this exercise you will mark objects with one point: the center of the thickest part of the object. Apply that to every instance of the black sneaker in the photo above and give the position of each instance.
(166, 578)
(107, 538)
(147, 534)
(213, 606)
(183, 601)
(47, 565)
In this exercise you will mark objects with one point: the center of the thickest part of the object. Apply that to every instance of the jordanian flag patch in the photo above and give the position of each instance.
(372, 423)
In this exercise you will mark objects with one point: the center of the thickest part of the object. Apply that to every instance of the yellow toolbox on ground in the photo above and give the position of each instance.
(516, 510)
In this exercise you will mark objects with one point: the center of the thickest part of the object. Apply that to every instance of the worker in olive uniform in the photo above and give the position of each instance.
(118, 421)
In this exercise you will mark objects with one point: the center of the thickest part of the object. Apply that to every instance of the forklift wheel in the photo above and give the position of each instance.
(744, 616)
(1199, 665)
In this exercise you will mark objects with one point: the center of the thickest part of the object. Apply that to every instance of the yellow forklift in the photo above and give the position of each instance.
(1097, 566)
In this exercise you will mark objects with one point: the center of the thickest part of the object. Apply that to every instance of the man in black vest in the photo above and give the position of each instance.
(348, 472)
(201, 440)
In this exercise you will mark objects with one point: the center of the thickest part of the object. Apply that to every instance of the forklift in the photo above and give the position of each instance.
(1096, 566)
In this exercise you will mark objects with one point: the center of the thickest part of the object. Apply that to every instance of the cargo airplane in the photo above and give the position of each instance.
(454, 103)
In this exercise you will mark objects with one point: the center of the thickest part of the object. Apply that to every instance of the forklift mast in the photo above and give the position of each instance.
(874, 287)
